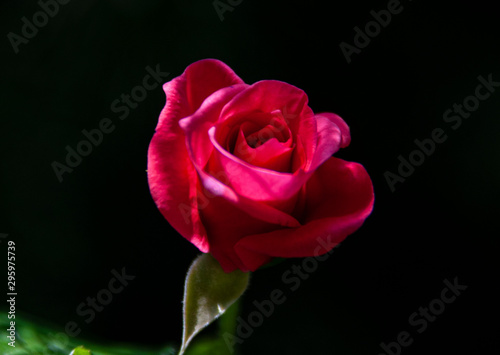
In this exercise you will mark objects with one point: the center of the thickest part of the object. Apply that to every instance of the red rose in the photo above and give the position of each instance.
(246, 172)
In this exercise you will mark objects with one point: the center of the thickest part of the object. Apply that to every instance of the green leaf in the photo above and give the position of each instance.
(208, 292)
(41, 337)
(80, 351)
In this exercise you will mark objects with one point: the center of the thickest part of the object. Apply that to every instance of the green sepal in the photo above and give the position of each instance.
(208, 292)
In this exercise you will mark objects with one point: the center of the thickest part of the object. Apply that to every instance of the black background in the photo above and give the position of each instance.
(437, 225)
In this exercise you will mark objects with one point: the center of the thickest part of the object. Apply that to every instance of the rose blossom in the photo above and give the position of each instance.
(246, 172)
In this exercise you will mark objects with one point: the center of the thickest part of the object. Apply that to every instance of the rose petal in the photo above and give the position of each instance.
(329, 141)
(227, 130)
(214, 181)
(258, 183)
(226, 224)
(187, 92)
(171, 175)
(228, 217)
(253, 182)
(339, 198)
(340, 123)
(171, 189)
(268, 96)
(196, 126)
(272, 155)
